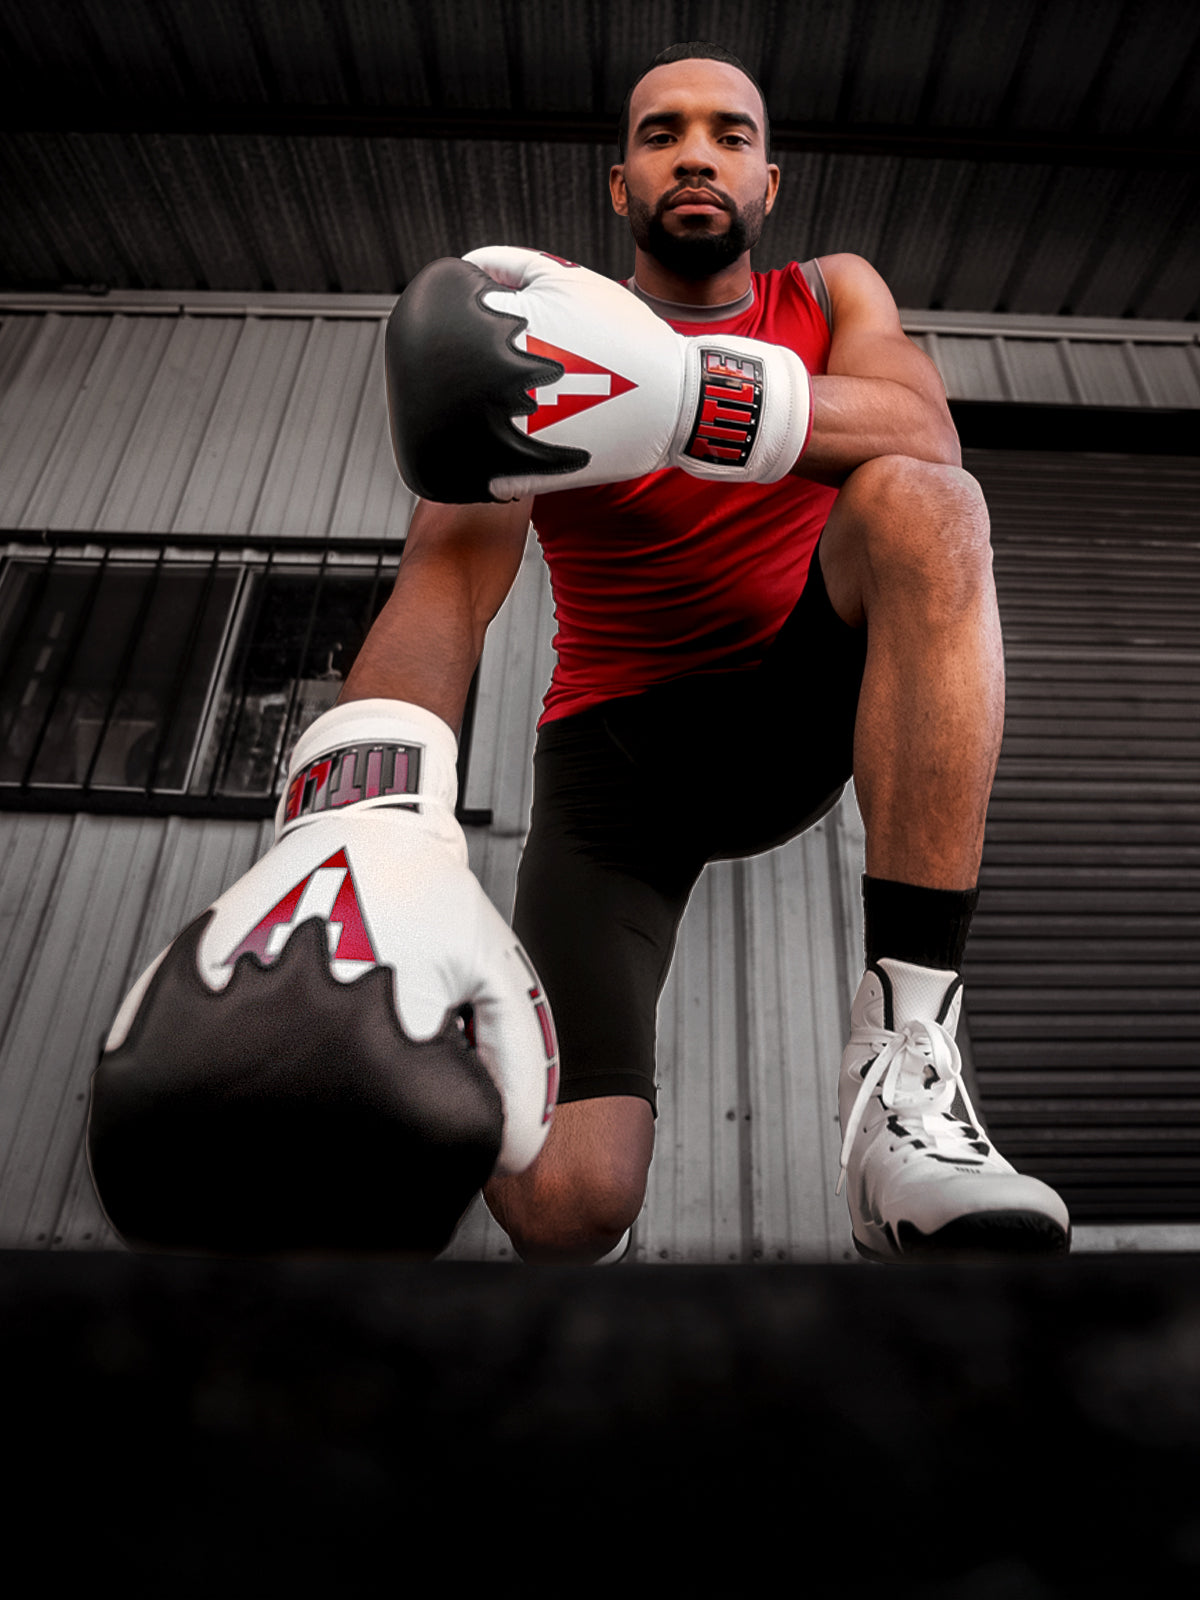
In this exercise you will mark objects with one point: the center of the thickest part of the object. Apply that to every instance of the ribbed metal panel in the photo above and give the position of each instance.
(242, 423)
(800, 928)
(513, 675)
(971, 368)
(271, 419)
(1083, 976)
(517, 662)
(1170, 374)
(750, 1028)
(198, 424)
(1055, 361)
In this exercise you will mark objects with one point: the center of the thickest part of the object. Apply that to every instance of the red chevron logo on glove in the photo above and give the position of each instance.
(327, 892)
(582, 385)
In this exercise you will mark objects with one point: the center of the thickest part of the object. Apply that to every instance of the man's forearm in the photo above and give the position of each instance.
(424, 647)
(858, 419)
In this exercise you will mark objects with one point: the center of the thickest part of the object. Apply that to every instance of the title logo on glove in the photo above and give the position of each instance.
(359, 772)
(328, 892)
(729, 408)
(582, 385)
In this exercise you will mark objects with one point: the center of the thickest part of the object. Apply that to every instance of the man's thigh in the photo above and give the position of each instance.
(632, 799)
(790, 729)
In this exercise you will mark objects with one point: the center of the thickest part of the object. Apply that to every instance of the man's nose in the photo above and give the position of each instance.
(696, 154)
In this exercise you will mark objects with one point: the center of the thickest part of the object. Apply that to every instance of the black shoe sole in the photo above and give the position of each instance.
(982, 1237)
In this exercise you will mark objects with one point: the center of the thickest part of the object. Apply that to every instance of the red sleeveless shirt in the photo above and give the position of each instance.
(670, 575)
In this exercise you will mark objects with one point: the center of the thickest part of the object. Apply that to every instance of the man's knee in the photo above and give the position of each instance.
(586, 1187)
(901, 496)
(571, 1219)
(917, 520)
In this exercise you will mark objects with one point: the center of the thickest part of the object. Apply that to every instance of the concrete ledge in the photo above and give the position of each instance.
(203, 1427)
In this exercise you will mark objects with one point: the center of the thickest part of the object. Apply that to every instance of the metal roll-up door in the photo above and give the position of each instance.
(1083, 970)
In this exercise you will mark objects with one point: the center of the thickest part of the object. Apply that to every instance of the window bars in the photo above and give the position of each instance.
(141, 675)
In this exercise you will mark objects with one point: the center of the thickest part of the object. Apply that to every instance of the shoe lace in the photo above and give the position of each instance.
(901, 1073)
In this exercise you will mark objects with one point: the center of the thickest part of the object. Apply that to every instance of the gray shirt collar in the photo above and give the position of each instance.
(672, 311)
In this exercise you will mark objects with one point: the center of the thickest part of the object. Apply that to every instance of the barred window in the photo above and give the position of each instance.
(166, 678)
(300, 634)
(108, 670)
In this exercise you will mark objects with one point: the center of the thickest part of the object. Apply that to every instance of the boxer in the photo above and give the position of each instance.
(770, 574)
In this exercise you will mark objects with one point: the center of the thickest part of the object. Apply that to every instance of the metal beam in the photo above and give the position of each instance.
(553, 127)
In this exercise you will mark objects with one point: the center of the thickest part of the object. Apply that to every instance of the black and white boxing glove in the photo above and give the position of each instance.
(511, 372)
(340, 1052)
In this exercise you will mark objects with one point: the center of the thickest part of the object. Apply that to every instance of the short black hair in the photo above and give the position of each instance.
(694, 50)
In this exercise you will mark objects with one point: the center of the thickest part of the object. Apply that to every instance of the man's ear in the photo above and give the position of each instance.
(772, 189)
(617, 191)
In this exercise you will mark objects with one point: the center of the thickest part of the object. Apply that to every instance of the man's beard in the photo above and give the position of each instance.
(694, 256)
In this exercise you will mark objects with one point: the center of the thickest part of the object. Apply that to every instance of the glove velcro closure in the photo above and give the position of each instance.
(746, 413)
(370, 751)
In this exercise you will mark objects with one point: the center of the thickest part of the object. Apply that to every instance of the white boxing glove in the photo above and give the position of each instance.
(720, 407)
(291, 1073)
(558, 378)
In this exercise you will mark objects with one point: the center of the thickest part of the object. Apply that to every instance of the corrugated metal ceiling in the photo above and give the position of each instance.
(988, 155)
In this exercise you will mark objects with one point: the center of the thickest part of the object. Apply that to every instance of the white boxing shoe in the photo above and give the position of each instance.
(924, 1182)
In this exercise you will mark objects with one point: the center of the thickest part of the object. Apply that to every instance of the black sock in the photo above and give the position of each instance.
(927, 927)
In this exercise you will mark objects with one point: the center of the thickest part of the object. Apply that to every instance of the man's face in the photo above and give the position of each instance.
(695, 184)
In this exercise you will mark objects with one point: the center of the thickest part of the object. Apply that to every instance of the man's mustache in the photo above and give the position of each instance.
(704, 190)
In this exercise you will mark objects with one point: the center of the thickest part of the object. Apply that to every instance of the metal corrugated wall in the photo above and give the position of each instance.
(243, 423)
(85, 904)
(1044, 361)
(750, 1031)
(1083, 976)
(205, 414)
(750, 1034)
(275, 425)
(246, 423)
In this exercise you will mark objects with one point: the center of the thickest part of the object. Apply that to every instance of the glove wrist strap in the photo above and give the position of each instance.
(370, 753)
(746, 412)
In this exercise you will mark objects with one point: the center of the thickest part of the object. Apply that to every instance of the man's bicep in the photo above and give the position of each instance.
(868, 340)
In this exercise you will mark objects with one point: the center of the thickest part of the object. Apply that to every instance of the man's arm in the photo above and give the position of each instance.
(880, 396)
(458, 565)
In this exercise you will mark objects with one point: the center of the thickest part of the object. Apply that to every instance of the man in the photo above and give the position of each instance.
(689, 612)
(768, 566)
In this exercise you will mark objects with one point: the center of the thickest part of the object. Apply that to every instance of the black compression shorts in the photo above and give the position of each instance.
(632, 798)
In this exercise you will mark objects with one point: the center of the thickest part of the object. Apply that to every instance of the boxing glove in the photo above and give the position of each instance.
(339, 1053)
(512, 372)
